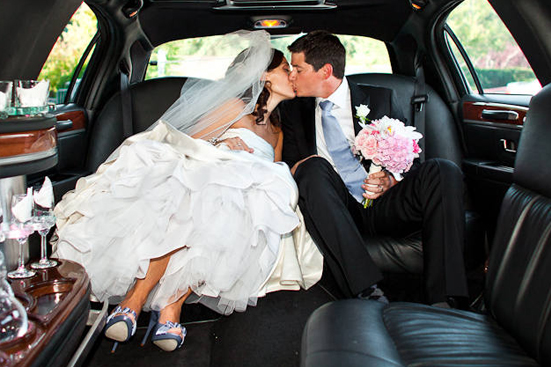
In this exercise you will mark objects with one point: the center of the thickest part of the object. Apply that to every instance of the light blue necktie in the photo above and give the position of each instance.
(351, 171)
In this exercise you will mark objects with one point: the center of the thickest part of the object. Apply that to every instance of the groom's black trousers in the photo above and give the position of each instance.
(429, 198)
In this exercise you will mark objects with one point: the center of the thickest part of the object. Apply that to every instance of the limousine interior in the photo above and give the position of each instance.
(470, 75)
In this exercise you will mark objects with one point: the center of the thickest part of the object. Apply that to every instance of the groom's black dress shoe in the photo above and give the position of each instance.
(459, 303)
(374, 294)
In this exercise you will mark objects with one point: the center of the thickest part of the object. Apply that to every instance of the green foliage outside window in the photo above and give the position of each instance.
(495, 55)
(69, 48)
(181, 58)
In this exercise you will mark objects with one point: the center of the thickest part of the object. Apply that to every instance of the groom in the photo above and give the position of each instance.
(318, 130)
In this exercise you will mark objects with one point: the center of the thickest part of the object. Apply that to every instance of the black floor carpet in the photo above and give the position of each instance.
(267, 335)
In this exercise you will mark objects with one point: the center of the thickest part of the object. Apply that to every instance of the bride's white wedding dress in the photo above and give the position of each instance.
(221, 213)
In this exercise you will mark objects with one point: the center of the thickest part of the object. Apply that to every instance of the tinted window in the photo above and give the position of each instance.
(67, 52)
(499, 63)
(186, 57)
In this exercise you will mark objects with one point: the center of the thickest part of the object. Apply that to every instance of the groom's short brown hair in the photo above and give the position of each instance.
(320, 48)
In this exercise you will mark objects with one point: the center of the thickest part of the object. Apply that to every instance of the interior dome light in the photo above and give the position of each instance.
(270, 23)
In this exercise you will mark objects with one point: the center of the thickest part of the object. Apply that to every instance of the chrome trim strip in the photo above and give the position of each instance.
(501, 105)
(98, 317)
(493, 124)
(24, 158)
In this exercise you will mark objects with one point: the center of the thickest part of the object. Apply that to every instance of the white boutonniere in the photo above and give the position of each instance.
(361, 112)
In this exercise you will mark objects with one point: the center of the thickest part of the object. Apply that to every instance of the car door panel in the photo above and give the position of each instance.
(71, 133)
(492, 131)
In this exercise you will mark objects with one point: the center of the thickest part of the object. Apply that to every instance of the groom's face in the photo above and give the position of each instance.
(306, 81)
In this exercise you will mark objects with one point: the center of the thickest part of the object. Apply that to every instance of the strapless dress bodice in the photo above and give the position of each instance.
(262, 148)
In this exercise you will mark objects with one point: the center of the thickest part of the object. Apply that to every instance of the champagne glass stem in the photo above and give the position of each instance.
(43, 256)
(21, 261)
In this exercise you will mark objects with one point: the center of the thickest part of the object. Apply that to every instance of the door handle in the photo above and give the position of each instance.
(500, 115)
(63, 125)
(509, 145)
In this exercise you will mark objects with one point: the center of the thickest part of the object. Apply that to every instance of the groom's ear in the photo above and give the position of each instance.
(326, 70)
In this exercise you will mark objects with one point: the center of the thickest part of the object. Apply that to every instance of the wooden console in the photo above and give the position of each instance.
(57, 303)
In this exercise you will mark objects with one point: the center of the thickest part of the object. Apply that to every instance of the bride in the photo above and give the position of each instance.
(195, 207)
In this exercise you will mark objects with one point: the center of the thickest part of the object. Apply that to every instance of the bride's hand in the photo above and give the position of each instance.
(236, 144)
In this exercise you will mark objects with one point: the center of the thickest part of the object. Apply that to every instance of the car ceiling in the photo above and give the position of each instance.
(29, 29)
(26, 44)
(163, 21)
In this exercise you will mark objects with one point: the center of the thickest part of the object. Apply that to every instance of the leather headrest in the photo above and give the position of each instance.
(533, 161)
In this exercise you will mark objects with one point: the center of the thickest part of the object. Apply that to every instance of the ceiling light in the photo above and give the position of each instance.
(270, 23)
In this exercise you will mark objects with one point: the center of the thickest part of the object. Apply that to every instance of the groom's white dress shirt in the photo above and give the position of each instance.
(342, 112)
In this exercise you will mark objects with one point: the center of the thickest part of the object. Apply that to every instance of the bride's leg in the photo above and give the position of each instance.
(172, 311)
(169, 334)
(137, 295)
(121, 323)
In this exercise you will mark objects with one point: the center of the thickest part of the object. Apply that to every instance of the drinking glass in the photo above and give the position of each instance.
(20, 229)
(31, 96)
(6, 88)
(43, 220)
(13, 317)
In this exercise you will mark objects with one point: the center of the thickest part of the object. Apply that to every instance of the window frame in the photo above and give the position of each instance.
(71, 94)
(447, 29)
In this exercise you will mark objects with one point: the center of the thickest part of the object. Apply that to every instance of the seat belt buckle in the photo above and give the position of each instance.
(419, 100)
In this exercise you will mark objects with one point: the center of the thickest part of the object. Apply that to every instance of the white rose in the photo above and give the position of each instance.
(362, 110)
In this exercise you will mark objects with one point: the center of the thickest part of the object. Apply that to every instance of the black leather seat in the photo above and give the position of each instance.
(393, 255)
(150, 99)
(441, 140)
(517, 328)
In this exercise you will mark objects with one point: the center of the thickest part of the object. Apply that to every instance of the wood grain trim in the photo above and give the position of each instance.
(27, 142)
(78, 118)
(473, 111)
(68, 285)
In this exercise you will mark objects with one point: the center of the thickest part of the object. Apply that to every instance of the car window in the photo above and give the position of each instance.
(186, 57)
(67, 52)
(498, 62)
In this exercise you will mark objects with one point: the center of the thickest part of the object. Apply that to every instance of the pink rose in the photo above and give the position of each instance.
(369, 147)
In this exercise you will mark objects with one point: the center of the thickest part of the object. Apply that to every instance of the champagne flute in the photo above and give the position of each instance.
(13, 317)
(43, 220)
(20, 229)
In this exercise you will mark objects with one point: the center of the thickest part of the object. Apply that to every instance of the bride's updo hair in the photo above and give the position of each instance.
(260, 110)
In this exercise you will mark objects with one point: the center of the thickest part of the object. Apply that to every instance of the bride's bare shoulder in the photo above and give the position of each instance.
(225, 113)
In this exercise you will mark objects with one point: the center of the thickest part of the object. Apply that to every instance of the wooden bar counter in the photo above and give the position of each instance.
(57, 303)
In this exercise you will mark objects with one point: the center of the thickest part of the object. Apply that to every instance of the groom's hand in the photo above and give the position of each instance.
(377, 184)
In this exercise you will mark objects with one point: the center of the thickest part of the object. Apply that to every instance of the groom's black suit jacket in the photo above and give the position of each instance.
(431, 200)
(299, 125)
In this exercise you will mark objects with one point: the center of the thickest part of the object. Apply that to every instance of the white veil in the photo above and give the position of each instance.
(211, 107)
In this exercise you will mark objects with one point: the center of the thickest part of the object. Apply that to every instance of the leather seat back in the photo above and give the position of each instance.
(150, 99)
(441, 138)
(519, 277)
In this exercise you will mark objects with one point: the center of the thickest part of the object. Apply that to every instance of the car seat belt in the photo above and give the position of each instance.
(419, 100)
(126, 101)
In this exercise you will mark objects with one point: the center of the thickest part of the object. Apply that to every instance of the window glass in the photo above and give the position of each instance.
(499, 63)
(462, 64)
(183, 57)
(67, 52)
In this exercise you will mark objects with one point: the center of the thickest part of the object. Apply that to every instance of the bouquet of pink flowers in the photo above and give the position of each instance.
(389, 144)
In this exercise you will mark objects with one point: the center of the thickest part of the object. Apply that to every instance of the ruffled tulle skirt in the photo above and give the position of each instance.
(219, 214)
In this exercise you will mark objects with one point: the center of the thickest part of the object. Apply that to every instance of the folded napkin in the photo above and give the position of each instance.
(45, 196)
(23, 210)
(3, 101)
(36, 96)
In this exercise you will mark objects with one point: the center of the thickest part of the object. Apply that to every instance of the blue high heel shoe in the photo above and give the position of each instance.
(120, 326)
(161, 337)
